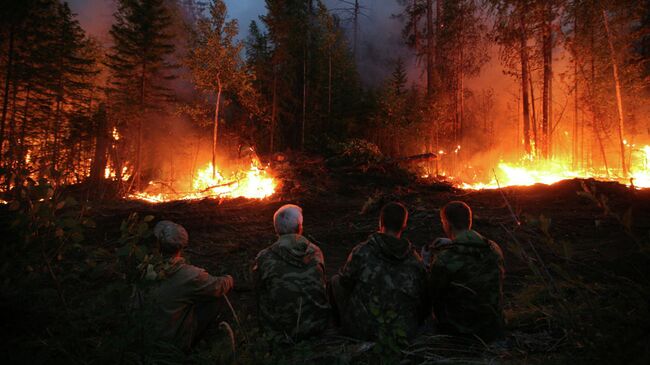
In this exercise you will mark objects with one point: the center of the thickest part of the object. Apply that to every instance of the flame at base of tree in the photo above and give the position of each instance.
(530, 172)
(254, 183)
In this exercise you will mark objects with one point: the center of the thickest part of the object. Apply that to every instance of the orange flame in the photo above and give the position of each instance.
(254, 183)
(528, 172)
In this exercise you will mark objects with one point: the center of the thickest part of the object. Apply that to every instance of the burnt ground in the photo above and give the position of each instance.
(559, 279)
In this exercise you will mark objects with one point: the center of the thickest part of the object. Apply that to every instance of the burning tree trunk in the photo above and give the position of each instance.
(619, 98)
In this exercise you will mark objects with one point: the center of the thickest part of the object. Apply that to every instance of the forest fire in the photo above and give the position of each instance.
(530, 172)
(254, 183)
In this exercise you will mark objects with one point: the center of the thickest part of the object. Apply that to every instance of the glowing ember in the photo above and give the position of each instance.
(116, 134)
(254, 183)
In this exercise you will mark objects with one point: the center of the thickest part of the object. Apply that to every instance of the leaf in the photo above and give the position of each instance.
(58, 233)
(60, 205)
(148, 218)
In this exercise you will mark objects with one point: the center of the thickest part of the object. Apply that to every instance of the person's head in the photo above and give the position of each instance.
(288, 219)
(172, 237)
(392, 219)
(456, 216)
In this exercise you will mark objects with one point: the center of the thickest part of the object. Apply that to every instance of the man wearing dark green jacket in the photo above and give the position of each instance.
(466, 275)
(380, 291)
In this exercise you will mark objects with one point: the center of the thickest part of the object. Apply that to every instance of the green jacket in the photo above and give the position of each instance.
(291, 287)
(466, 279)
(384, 278)
(185, 288)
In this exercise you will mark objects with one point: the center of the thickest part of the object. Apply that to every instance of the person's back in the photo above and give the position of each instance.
(186, 297)
(290, 281)
(381, 289)
(466, 278)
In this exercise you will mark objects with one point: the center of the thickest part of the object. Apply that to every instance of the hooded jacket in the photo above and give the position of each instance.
(384, 280)
(466, 279)
(185, 288)
(291, 287)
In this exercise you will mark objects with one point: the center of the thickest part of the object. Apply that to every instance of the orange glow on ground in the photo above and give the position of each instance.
(526, 173)
(254, 183)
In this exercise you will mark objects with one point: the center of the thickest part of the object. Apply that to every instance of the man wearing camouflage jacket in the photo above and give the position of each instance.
(290, 281)
(187, 298)
(466, 278)
(380, 292)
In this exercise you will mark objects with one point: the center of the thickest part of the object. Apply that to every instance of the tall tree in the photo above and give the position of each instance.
(216, 64)
(512, 30)
(140, 64)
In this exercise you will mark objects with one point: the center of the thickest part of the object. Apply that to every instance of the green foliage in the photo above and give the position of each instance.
(355, 151)
(391, 337)
(139, 58)
(43, 218)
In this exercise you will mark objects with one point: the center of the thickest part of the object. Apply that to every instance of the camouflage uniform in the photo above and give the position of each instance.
(291, 287)
(187, 300)
(466, 279)
(381, 289)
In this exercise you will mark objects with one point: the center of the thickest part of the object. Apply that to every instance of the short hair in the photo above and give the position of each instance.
(287, 219)
(172, 237)
(457, 214)
(393, 216)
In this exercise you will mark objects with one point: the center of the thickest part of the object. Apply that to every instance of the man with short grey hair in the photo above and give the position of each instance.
(186, 296)
(290, 280)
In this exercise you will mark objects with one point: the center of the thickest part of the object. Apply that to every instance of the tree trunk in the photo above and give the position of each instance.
(138, 159)
(575, 91)
(304, 98)
(524, 79)
(11, 137)
(461, 84)
(273, 109)
(5, 96)
(215, 131)
(430, 49)
(619, 98)
(23, 130)
(547, 49)
(102, 141)
(533, 125)
(355, 21)
(329, 85)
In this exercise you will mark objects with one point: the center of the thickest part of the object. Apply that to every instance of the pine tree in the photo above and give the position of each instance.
(139, 64)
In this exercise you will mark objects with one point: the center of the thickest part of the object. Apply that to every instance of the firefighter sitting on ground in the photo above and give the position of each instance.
(466, 277)
(188, 298)
(290, 281)
(381, 291)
